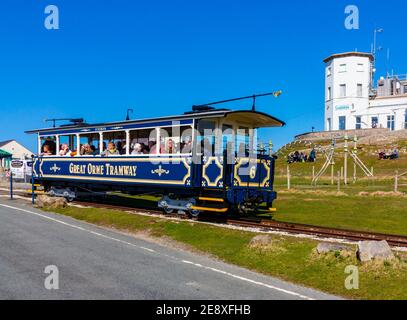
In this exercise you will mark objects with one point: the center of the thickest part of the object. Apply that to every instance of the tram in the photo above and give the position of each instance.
(206, 159)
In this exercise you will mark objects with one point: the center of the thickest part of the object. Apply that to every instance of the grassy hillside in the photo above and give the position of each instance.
(384, 170)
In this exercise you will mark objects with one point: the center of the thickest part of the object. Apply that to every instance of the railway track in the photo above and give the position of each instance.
(263, 224)
(324, 232)
(293, 228)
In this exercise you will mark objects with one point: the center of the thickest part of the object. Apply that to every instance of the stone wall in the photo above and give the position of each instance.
(327, 135)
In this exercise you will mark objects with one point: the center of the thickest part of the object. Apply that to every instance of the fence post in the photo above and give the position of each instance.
(11, 185)
(345, 162)
(313, 172)
(288, 178)
(339, 181)
(396, 181)
(32, 189)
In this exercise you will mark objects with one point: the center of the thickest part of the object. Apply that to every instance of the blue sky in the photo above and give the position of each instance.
(161, 57)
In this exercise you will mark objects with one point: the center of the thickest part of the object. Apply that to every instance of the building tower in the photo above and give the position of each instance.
(347, 89)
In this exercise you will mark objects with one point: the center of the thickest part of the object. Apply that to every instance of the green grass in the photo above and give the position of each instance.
(288, 258)
(384, 214)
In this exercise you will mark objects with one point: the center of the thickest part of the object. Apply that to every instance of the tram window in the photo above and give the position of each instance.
(118, 138)
(169, 140)
(242, 140)
(227, 138)
(143, 141)
(177, 139)
(68, 145)
(48, 146)
(89, 144)
(206, 137)
(186, 140)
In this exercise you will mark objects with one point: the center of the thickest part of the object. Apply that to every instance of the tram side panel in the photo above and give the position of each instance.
(157, 172)
(252, 180)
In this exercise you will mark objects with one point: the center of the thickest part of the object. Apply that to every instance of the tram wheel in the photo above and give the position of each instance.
(168, 210)
(194, 213)
(242, 209)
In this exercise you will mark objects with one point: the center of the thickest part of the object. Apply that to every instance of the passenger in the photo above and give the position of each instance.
(138, 149)
(170, 148)
(121, 148)
(64, 150)
(111, 150)
(152, 147)
(86, 150)
(144, 148)
(46, 150)
(94, 150)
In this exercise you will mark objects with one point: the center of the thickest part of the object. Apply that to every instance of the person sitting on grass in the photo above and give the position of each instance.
(394, 155)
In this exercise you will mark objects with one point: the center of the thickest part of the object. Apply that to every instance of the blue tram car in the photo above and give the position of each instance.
(203, 160)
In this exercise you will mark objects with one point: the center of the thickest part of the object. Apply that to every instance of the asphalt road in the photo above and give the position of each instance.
(95, 263)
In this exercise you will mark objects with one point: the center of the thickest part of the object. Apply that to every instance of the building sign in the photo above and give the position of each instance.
(17, 169)
(342, 107)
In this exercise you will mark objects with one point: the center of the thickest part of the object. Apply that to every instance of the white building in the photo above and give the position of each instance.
(17, 150)
(351, 102)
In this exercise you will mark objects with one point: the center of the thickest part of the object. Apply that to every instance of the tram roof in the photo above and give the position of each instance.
(255, 119)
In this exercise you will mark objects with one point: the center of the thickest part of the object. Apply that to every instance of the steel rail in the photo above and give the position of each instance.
(263, 224)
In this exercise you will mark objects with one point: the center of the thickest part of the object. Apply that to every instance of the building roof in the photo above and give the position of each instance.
(5, 154)
(3, 143)
(349, 54)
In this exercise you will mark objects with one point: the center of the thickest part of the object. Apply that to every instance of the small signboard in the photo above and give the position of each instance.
(17, 168)
(21, 168)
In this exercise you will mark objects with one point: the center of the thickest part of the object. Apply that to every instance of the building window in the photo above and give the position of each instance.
(329, 93)
(360, 90)
(342, 67)
(360, 67)
(375, 122)
(390, 123)
(358, 122)
(328, 124)
(342, 91)
(405, 89)
(328, 71)
(342, 123)
(405, 120)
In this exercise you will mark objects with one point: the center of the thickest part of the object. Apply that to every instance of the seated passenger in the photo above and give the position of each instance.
(86, 150)
(94, 150)
(46, 150)
(64, 150)
(153, 147)
(121, 148)
(111, 150)
(144, 148)
(137, 149)
(170, 148)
